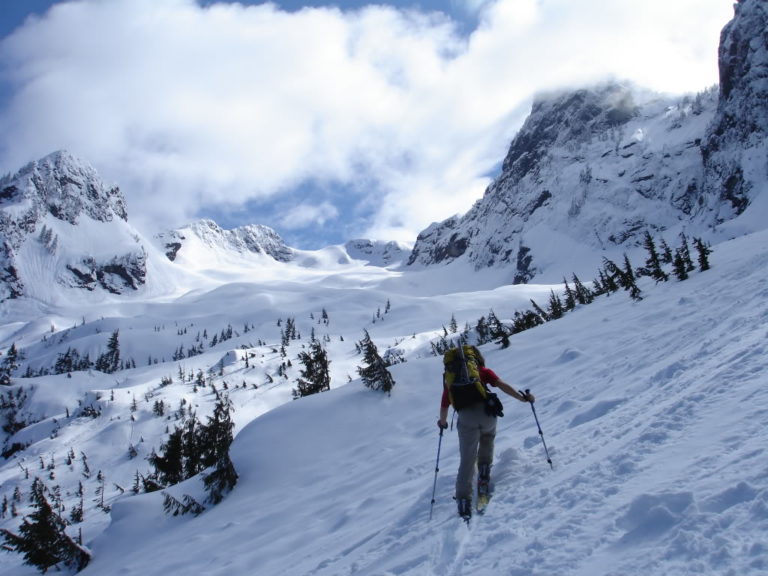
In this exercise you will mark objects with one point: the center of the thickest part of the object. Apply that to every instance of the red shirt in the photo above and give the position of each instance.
(487, 376)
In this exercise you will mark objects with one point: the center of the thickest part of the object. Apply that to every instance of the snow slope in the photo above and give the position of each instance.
(654, 413)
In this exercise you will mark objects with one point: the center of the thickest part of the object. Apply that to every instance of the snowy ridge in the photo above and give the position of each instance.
(209, 236)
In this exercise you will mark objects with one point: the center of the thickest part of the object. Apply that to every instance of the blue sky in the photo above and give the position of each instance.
(326, 121)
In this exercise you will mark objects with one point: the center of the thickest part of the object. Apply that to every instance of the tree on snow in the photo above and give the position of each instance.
(315, 376)
(653, 263)
(109, 361)
(375, 374)
(42, 539)
(217, 438)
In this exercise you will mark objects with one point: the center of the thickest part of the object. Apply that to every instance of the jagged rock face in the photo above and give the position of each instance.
(250, 239)
(591, 167)
(121, 273)
(375, 252)
(48, 214)
(572, 117)
(63, 186)
(597, 168)
(736, 143)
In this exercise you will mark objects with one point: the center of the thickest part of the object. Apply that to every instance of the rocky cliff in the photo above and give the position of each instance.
(54, 214)
(593, 169)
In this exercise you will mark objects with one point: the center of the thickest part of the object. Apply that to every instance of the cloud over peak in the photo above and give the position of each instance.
(189, 107)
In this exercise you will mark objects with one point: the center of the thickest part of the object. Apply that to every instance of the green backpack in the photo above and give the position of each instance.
(461, 376)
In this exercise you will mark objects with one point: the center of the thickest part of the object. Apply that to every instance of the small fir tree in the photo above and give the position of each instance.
(216, 438)
(109, 361)
(556, 309)
(570, 297)
(685, 252)
(703, 251)
(169, 465)
(42, 538)
(666, 256)
(679, 266)
(375, 374)
(315, 376)
(583, 294)
(653, 262)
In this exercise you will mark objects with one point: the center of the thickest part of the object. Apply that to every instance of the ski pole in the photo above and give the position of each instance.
(527, 392)
(437, 469)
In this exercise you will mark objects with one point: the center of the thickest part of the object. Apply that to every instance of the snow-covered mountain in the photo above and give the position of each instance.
(54, 215)
(377, 252)
(207, 236)
(593, 169)
(653, 409)
(589, 170)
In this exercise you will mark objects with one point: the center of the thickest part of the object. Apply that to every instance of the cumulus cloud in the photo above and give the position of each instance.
(305, 215)
(189, 107)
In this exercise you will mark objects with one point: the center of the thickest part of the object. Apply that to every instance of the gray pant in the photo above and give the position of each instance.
(477, 431)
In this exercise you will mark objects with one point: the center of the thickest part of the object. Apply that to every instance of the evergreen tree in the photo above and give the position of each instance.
(628, 279)
(666, 255)
(9, 366)
(685, 252)
(525, 321)
(42, 538)
(169, 466)
(570, 297)
(679, 266)
(191, 449)
(109, 361)
(653, 262)
(583, 294)
(703, 251)
(375, 374)
(497, 330)
(539, 311)
(216, 438)
(556, 309)
(315, 376)
(216, 435)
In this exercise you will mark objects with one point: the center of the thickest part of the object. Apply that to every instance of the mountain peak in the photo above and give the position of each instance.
(52, 214)
(64, 186)
(568, 116)
(247, 239)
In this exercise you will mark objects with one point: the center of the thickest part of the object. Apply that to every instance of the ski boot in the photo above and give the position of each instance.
(483, 486)
(465, 508)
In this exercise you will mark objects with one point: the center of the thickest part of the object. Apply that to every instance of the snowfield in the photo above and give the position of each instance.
(654, 413)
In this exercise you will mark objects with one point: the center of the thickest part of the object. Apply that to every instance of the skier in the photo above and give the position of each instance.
(477, 431)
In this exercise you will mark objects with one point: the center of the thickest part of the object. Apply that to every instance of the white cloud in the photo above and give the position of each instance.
(187, 107)
(304, 215)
